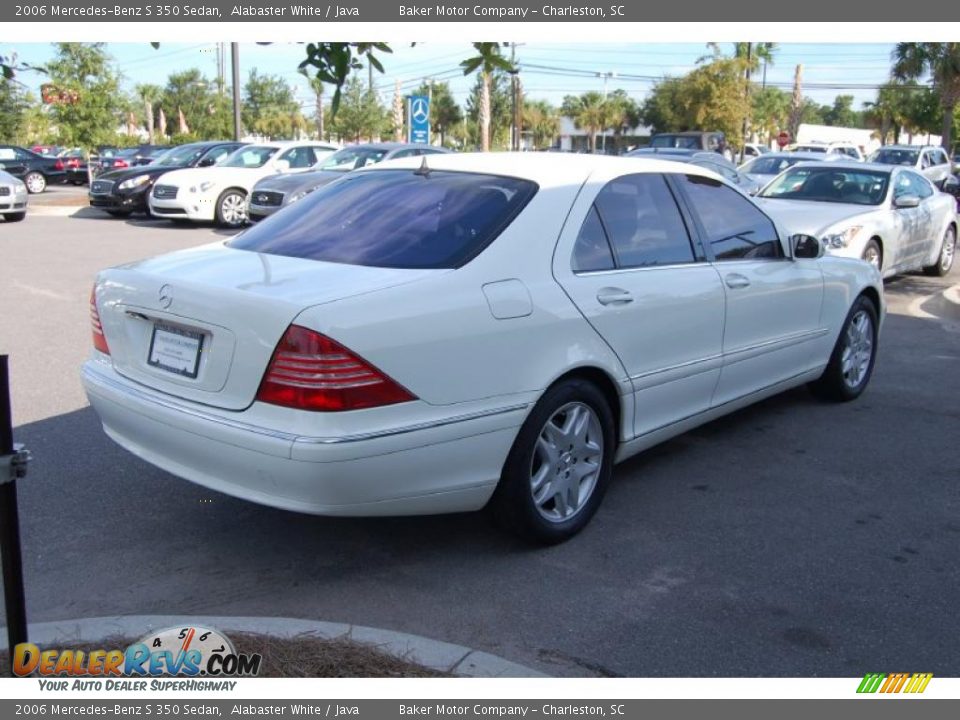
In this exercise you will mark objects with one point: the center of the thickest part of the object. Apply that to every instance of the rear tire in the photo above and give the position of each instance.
(35, 182)
(559, 466)
(851, 363)
(231, 209)
(948, 251)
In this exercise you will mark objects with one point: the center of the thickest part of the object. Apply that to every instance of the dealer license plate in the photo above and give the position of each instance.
(175, 349)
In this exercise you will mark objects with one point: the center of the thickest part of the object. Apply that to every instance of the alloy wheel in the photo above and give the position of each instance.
(233, 209)
(948, 251)
(35, 183)
(857, 350)
(566, 462)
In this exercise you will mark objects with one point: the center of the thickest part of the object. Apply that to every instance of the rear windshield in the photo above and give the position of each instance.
(888, 156)
(769, 165)
(394, 218)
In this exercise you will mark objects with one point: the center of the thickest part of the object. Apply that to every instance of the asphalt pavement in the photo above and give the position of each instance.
(793, 538)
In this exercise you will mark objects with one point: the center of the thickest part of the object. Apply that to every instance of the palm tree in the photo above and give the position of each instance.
(149, 94)
(316, 85)
(911, 61)
(588, 111)
(487, 60)
(543, 122)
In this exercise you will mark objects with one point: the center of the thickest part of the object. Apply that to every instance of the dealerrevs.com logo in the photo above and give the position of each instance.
(894, 683)
(178, 651)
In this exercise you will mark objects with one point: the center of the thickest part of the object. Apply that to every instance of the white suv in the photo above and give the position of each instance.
(931, 161)
(831, 148)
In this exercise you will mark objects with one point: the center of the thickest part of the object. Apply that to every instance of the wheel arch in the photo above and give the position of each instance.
(605, 383)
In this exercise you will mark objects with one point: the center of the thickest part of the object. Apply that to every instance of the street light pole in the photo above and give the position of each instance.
(235, 63)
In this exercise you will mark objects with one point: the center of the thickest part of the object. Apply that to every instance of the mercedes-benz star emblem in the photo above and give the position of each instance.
(420, 110)
(166, 296)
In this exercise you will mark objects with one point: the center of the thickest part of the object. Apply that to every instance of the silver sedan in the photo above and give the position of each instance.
(892, 217)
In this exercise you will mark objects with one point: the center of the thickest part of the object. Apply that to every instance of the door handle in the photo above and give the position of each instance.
(613, 296)
(735, 281)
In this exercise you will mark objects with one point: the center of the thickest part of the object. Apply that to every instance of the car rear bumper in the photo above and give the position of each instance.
(451, 466)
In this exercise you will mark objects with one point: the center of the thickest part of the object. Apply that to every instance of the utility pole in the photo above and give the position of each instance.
(746, 113)
(235, 66)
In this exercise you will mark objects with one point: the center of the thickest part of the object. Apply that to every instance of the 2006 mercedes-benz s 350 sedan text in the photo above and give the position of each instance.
(440, 335)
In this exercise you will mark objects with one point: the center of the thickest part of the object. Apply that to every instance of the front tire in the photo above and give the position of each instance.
(231, 209)
(15, 217)
(559, 466)
(873, 255)
(35, 182)
(948, 250)
(851, 363)
(119, 213)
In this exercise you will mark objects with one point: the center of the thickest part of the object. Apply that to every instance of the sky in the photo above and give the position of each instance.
(549, 71)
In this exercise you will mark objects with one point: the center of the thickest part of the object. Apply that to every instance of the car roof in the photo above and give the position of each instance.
(853, 165)
(792, 154)
(545, 169)
(908, 147)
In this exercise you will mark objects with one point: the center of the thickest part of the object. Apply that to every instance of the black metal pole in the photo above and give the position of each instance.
(10, 526)
(235, 74)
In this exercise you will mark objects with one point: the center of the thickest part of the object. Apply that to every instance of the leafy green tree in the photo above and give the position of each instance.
(207, 113)
(912, 61)
(445, 113)
(361, 114)
(770, 112)
(85, 68)
(487, 60)
(588, 112)
(332, 63)
(269, 107)
(316, 86)
(542, 120)
(710, 97)
(842, 113)
(13, 108)
(622, 113)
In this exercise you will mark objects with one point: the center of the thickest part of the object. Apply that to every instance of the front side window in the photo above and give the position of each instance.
(735, 229)
(299, 157)
(643, 222)
(394, 218)
(909, 183)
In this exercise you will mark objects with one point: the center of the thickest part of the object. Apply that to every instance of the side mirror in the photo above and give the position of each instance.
(906, 201)
(207, 161)
(806, 247)
(282, 165)
(951, 185)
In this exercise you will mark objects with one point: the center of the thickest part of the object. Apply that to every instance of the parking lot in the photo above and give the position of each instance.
(794, 538)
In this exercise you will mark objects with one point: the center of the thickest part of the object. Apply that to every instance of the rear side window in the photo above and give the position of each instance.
(592, 250)
(643, 222)
(394, 218)
(734, 227)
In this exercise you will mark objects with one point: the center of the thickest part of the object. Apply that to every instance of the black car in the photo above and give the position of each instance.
(35, 170)
(122, 192)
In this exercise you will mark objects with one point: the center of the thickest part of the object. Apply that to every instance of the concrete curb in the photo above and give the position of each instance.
(434, 654)
(54, 210)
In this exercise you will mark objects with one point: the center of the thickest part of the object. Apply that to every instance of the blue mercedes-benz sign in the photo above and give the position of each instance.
(418, 119)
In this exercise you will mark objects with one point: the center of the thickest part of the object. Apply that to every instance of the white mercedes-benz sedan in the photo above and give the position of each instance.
(436, 335)
(892, 217)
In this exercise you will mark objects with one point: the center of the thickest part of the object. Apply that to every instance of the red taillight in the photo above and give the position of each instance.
(309, 371)
(73, 162)
(58, 165)
(99, 341)
(120, 163)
